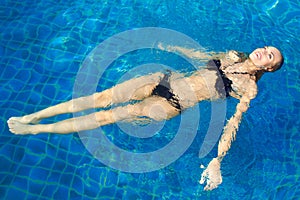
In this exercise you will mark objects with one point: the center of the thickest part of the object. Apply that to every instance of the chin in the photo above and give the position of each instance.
(252, 57)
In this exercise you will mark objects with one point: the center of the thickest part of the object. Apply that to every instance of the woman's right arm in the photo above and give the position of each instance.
(191, 53)
(227, 58)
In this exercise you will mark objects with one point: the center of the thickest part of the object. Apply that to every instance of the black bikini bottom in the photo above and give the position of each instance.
(163, 89)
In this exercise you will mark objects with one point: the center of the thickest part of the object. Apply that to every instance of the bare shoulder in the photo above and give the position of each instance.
(243, 85)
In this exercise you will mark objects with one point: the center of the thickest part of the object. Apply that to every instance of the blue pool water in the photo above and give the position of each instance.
(42, 46)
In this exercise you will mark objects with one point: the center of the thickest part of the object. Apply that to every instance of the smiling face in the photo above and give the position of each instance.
(266, 58)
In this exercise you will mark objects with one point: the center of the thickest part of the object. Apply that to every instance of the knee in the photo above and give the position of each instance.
(104, 117)
(126, 112)
(103, 99)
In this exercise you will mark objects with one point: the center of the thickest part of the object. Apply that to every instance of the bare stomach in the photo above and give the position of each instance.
(197, 87)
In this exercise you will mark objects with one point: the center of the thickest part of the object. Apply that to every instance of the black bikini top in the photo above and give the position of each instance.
(215, 64)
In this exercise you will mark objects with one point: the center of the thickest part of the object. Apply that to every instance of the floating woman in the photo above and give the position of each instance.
(161, 96)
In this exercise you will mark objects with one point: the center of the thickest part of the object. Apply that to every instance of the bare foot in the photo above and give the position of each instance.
(17, 127)
(27, 119)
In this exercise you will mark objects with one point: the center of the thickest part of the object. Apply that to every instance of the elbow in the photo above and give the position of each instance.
(242, 107)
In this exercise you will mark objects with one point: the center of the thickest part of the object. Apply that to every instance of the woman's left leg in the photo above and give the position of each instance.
(156, 108)
(133, 89)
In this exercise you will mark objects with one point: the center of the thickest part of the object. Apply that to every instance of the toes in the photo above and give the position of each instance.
(12, 130)
(13, 126)
(11, 122)
(17, 127)
(13, 119)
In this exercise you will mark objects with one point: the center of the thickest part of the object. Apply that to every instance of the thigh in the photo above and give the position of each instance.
(157, 108)
(133, 89)
(136, 88)
(154, 107)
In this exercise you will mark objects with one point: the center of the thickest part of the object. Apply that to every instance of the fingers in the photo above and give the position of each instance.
(160, 46)
(234, 55)
(165, 48)
(203, 177)
(209, 186)
(211, 175)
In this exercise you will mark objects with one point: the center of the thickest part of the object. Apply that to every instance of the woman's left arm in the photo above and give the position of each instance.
(212, 174)
(231, 128)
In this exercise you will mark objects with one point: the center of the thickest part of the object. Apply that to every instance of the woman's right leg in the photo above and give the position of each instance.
(134, 89)
(74, 105)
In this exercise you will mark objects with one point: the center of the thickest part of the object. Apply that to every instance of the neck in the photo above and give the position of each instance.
(250, 66)
(253, 69)
(246, 67)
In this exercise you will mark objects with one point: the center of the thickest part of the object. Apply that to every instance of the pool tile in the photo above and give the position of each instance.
(42, 47)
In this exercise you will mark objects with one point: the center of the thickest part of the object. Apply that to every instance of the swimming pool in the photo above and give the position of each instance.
(43, 44)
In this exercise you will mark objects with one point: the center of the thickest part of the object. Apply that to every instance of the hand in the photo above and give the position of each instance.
(160, 46)
(166, 48)
(211, 175)
(234, 56)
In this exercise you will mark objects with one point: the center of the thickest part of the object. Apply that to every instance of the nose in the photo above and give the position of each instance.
(265, 51)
